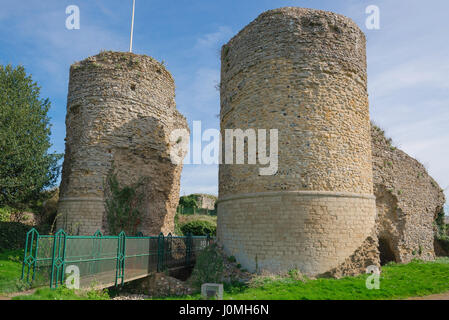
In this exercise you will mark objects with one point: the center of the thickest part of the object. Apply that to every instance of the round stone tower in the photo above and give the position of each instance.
(302, 72)
(120, 113)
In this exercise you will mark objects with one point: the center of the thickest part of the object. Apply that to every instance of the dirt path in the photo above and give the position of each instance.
(15, 294)
(440, 296)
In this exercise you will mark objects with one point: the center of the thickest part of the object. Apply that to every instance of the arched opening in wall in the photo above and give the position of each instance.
(386, 253)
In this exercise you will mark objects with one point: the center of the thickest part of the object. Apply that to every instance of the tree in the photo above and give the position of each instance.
(188, 201)
(26, 167)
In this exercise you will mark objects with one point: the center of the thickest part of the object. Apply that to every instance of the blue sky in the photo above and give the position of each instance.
(408, 67)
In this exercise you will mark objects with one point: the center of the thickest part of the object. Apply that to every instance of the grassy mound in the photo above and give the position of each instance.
(209, 222)
(397, 281)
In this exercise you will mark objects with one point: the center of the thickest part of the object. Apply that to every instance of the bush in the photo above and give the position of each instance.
(46, 207)
(122, 205)
(208, 267)
(13, 235)
(442, 227)
(188, 201)
(199, 228)
(5, 214)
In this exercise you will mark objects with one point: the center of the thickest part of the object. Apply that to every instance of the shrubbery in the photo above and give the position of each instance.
(188, 201)
(13, 235)
(5, 214)
(122, 205)
(199, 228)
(208, 267)
(441, 236)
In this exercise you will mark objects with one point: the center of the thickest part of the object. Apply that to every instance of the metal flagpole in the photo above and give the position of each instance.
(132, 28)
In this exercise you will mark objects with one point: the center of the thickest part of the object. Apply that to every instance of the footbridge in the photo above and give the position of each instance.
(104, 261)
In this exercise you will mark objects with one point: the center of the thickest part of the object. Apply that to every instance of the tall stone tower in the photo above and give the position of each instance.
(120, 113)
(302, 72)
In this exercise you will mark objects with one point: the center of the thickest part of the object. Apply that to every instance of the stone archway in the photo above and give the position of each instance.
(386, 252)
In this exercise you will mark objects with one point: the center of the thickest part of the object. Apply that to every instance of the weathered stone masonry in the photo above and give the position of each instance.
(302, 72)
(408, 201)
(120, 113)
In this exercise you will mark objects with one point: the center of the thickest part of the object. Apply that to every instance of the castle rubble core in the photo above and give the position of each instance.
(120, 113)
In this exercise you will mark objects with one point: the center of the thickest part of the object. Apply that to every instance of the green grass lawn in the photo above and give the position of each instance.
(396, 282)
(64, 294)
(10, 271)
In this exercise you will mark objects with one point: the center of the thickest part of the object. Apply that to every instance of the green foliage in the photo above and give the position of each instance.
(182, 219)
(208, 267)
(178, 230)
(46, 207)
(26, 167)
(13, 235)
(5, 214)
(122, 206)
(195, 211)
(442, 227)
(63, 293)
(199, 228)
(10, 271)
(98, 295)
(188, 201)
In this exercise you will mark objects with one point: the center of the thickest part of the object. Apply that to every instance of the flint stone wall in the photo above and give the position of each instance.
(120, 113)
(302, 72)
(408, 201)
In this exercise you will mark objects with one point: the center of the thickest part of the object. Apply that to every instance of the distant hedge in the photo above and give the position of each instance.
(13, 235)
(199, 228)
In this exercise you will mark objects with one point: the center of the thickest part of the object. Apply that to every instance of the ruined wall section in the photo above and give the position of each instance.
(407, 200)
(120, 113)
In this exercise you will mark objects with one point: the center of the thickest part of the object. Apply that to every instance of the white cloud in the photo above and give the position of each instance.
(199, 179)
(415, 73)
(408, 81)
(200, 91)
(198, 99)
(214, 39)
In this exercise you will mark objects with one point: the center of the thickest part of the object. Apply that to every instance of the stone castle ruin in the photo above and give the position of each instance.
(407, 201)
(343, 197)
(120, 113)
(303, 72)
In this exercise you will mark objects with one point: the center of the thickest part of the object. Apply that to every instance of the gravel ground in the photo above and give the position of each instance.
(131, 297)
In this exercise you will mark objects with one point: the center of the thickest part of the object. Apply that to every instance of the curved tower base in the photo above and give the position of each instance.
(313, 232)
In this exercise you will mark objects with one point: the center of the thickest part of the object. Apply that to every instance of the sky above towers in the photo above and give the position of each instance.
(408, 60)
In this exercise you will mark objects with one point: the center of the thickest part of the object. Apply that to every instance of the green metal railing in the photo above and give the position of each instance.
(193, 211)
(105, 260)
